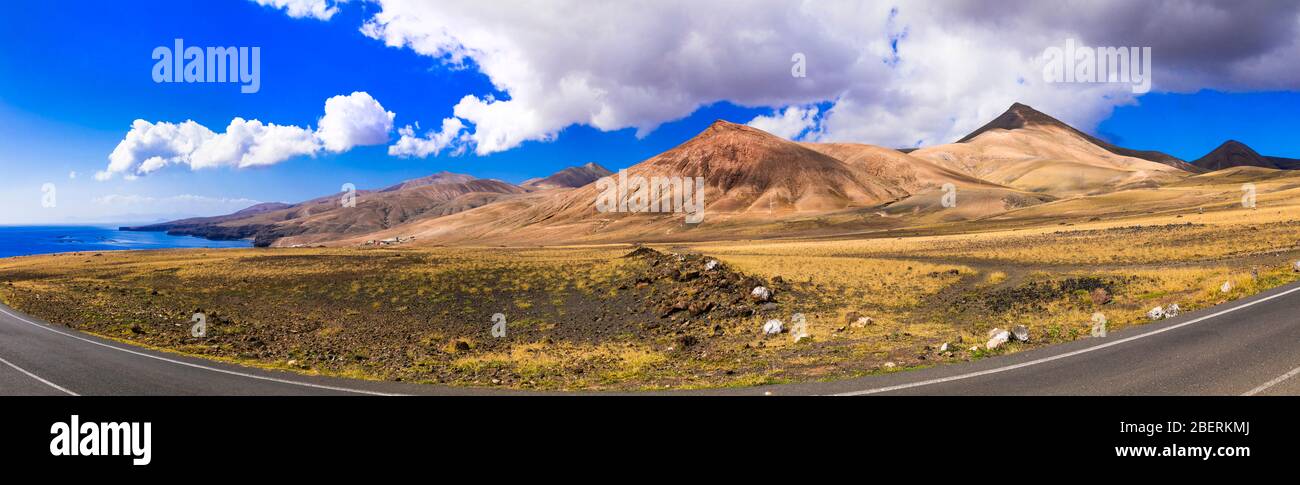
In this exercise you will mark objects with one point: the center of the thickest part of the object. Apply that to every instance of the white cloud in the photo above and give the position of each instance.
(790, 123)
(250, 143)
(919, 72)
(72, 174)
(412, 145)
(352, 120)
(922, 72)
(318, 9)
(564, 64)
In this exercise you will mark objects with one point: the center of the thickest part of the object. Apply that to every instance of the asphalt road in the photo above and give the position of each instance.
(1246, 347)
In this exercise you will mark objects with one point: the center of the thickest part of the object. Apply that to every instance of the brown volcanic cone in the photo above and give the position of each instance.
(749, 175)
(746, 168)
(1021, 115)
(1233, 153)
(1030, 151)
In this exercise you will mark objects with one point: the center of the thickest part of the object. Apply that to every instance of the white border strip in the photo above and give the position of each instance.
(197, 366)
(1073, 353)
(34, 376)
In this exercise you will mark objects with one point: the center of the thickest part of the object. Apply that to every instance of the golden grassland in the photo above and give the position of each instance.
(577, 317)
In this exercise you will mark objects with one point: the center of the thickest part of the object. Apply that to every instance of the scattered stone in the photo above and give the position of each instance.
(1296, 266)
(1156, 313)
(712, 263)
(862, 322)
(687, 341)
(1100, 296)
(943, 348)
(760, 293)
(1227, 286)
(997, 337)
(1172, 311)
(699, 308)
(1020, 332)
(773, 327)
(889, 365)
(641, 251)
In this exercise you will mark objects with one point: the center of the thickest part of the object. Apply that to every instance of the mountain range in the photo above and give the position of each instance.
(756, 185)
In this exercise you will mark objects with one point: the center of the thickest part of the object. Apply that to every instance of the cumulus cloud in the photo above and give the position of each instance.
(918, 72)
(412, 145)
(790, 123)
(318, 9)
(349, 121)
(353, 120)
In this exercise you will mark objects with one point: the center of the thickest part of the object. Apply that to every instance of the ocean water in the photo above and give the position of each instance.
(25, 240)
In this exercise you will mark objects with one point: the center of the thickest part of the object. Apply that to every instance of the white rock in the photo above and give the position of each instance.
(1020, 332)
(999, 338)
(773, 327)
(1296, 266)
(761, 293)
(1227, 286)
(1156, 313)
(862, 322)
(1098, 325)
(944, 347)
(1172, 310)
(713, 263)
(890, 365)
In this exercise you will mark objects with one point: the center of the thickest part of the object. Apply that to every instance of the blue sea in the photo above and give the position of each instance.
(25, 240)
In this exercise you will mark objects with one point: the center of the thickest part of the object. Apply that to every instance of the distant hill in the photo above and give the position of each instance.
(1021, 116)
(572, 177)
(1233, 153)
(325, 218)
(1034, 152)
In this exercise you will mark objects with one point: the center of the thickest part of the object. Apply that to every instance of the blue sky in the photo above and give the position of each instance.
(74, 75)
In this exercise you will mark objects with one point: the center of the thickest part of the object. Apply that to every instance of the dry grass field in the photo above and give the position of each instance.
(593, 318)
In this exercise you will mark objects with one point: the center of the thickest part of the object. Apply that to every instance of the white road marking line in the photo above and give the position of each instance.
(1273, 382)
(197, 366)
(34, 376)
(1067, 354)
